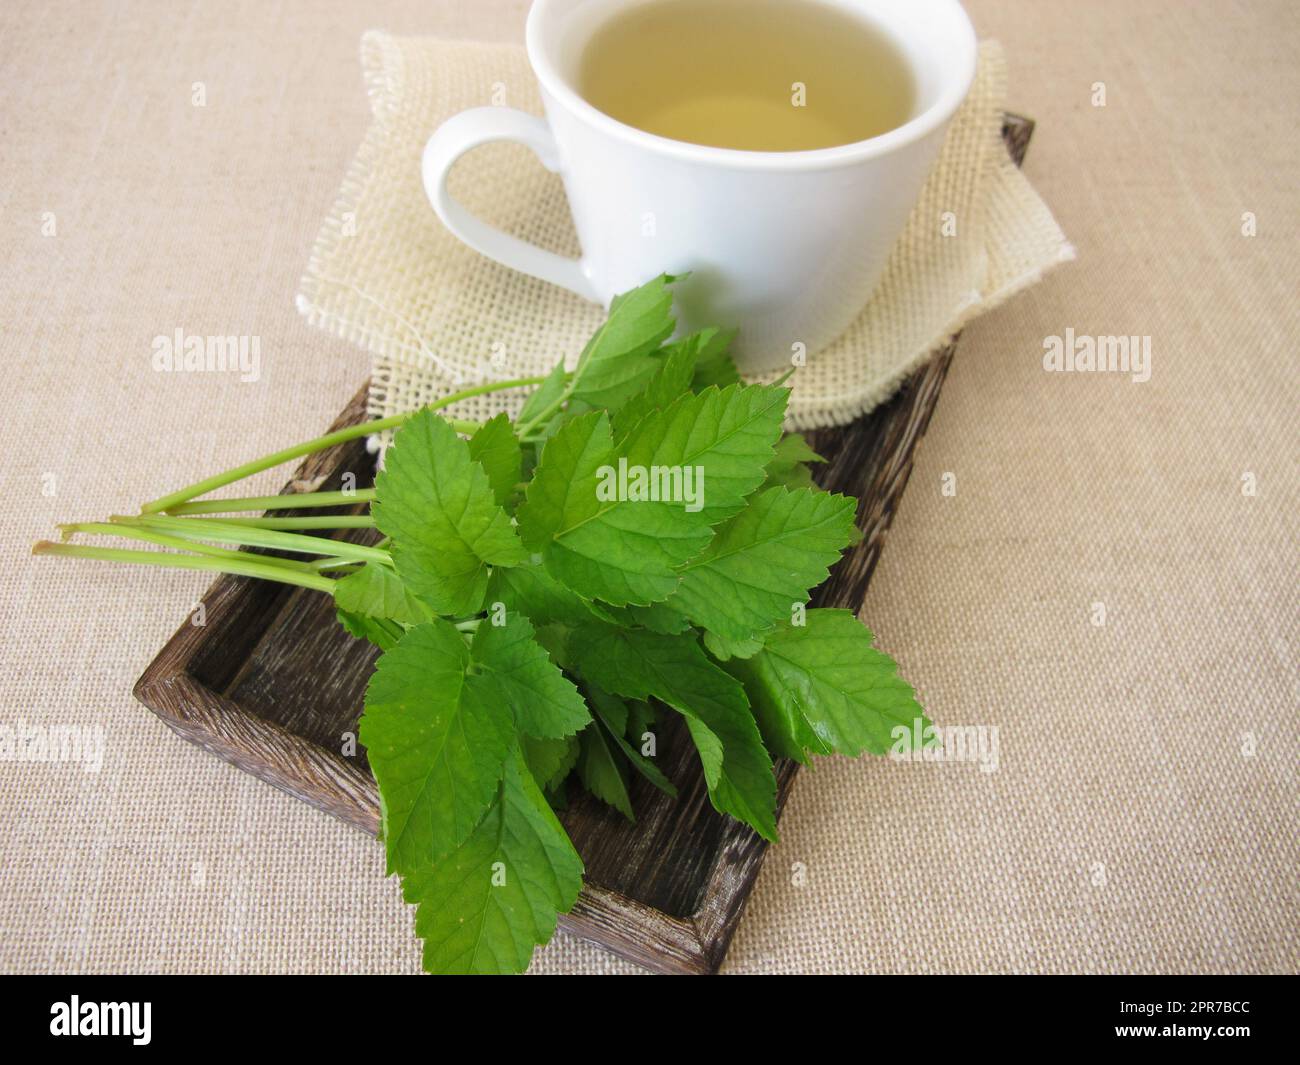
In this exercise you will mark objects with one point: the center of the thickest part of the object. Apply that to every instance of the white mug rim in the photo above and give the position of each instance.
(960, 78)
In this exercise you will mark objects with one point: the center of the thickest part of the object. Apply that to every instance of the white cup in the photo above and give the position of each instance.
(787, 246)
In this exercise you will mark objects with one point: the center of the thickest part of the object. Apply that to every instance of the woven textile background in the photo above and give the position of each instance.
(1143, 814)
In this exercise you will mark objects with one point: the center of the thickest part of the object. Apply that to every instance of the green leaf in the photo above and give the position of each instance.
(671, 380)
(618, 360)
(713, 364)
(640, 716)
(436, 746)
(621, 551)
(516, 672)
(657, 617)
(722, 649)
(496, 448)
(789, 465)
(548, 393)
(729, 432)
(533, 592)
(550, 761)
(382, 633)
(600, 773)
(821, 688)
(555, 638)
(792, 448)
(764, 561)
(615, 715)
(484, 907)
(378, 592)
(798, 476)
(437, 505)
(609, 709)
(641, 665)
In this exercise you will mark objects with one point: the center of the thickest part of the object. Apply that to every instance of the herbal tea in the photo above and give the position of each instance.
(760, 75)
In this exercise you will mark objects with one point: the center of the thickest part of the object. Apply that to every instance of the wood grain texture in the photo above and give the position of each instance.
(272, 684)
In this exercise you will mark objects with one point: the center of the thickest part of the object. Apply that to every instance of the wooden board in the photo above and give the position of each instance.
(272, 684)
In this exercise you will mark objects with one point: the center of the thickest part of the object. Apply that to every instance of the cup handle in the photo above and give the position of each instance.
(482, 125)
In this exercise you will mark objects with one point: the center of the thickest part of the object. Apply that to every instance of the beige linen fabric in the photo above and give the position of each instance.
(1143, 814)
(387, 274)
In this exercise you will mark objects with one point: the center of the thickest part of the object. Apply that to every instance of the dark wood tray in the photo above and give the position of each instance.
(271, 683)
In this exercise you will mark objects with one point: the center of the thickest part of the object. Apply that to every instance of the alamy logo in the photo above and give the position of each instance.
(179, 353)
(950, 743)
(26, 741)
(653, 484)
(132, 1019)
(1089, 354)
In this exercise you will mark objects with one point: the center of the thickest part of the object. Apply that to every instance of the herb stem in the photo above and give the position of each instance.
(333, 563)
(544, 415)
(395, 631)
(199, 529)
(96, 528)
(311, 521)
(289, 501)
(259, 570)
(320, 443)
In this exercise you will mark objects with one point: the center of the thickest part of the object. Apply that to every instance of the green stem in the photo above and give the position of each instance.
(320, 443)
(394, 630)
(321, 521)
(248, 536)
(289, 501)
(543, 415)
(97, 528)
(258, 570)
(334, 563)
(570, 386)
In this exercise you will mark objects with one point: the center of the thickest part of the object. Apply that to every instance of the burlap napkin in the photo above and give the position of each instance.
(385, 274)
